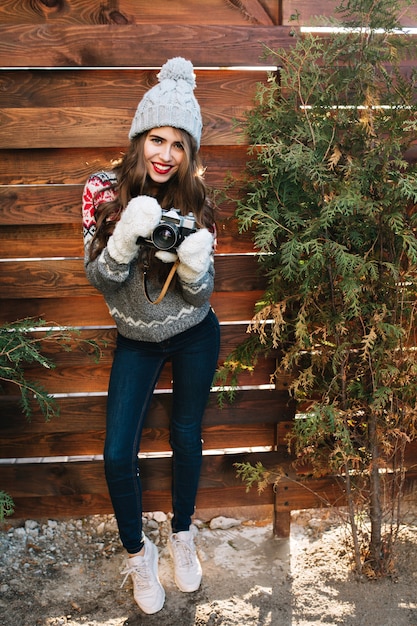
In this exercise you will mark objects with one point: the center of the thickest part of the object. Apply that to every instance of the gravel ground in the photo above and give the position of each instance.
(55, 573)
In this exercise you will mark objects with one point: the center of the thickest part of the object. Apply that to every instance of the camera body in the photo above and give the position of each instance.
(171, 231)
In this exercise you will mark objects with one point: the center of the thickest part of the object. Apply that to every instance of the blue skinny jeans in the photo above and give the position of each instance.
(136, 368)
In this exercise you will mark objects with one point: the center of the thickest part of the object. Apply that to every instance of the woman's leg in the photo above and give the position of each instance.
(193, 363)
(135, 371)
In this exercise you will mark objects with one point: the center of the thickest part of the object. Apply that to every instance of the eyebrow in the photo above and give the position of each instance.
(156, 136)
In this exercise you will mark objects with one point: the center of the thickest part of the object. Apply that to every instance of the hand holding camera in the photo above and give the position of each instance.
(194, 254)
(171, 231)
(143, 222)
(141, 215)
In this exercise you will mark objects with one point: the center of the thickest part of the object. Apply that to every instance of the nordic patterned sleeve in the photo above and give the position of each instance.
(102, 272)
(96, 191)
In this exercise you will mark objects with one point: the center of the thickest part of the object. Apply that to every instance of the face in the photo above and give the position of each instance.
(163, 152)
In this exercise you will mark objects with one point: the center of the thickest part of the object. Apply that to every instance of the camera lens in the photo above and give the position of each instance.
(164, 237)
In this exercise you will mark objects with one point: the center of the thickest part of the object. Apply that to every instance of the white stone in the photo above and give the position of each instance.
(112, 525)
(20, 533)
(223, 523)
(152, 524)
(198, 523)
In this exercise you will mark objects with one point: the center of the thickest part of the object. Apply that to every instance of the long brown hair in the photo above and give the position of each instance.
(186, 191)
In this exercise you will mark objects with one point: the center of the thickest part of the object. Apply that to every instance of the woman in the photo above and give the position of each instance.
(157, 290)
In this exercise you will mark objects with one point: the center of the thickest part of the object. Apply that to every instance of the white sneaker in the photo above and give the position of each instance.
(187, 567)
(148, 592)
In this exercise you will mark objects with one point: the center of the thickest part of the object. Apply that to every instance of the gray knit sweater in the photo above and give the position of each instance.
(122, 284)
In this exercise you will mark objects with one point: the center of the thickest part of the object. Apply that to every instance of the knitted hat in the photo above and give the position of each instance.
(171, 102)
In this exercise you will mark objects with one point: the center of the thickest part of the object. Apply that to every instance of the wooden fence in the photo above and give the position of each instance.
(72, 74)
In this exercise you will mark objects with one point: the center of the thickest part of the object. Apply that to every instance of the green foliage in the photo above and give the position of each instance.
(22, 344)
(253, 475)
(331, 204)
(243, 359)
(6, 506)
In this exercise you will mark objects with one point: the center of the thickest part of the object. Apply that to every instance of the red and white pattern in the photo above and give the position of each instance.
(96, 190)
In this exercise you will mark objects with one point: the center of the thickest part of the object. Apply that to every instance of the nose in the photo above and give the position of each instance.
(165, 153)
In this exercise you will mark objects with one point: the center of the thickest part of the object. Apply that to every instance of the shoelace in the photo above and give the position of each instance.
(184, 552)
(141, 574)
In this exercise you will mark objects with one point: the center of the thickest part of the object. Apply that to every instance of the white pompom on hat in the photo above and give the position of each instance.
(171, 102)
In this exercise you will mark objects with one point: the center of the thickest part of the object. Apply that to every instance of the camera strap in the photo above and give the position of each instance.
(166, 284)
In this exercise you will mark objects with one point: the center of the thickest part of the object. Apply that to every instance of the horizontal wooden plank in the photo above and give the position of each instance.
(95, 108)
(99, 504)
(56, 166)
(87, 477)
(85, 127)
(57, 506)
(83, 376)
(153, 440)
(45, 278)
(44, 240)
(80, 487)
(249, 421)
(88, 377)
(217, 90)
(249, 407)
(133, 12)
(51, 45)
(85, 311)
(65, 240)
(104, 46)
(45, 221)
(309, 493)
(77, 372)
(92, 310)
(72, 166)
(78, 351)
(40, 204)
(66, 277)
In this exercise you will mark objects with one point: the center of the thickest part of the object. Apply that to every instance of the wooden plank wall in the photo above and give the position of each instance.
(72, 73)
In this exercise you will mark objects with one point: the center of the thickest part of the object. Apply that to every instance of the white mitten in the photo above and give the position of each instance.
(141, 215)
(194, 254)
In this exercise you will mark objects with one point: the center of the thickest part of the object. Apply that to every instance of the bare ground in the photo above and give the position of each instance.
(68, 573)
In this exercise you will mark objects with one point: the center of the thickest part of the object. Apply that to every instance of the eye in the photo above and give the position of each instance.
(156, 140)
(178, 145)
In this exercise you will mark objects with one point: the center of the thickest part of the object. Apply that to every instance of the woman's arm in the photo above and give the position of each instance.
(103, 272)
(112, 266)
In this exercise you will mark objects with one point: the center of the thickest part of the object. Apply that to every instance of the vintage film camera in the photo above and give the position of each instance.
(171, 231)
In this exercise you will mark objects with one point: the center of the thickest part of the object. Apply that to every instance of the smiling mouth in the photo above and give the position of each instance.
(161, 169)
